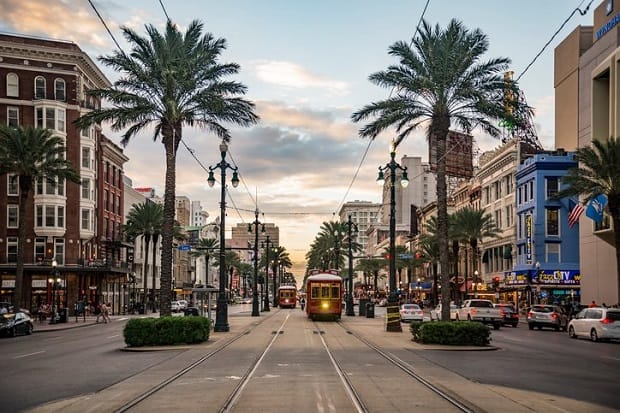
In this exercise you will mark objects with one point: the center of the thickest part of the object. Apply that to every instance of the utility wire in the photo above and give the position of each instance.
(106, 26)
(577, 9)
(164, 9)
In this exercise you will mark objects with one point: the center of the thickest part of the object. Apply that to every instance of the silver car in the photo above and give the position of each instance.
(597, 323)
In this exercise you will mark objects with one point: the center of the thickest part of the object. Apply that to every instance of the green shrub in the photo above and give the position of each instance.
(451, 333)
(166, 331)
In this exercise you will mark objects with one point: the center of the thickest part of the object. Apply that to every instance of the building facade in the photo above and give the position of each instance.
(363, 214)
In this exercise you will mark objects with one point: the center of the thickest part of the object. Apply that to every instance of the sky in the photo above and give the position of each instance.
(306, 66)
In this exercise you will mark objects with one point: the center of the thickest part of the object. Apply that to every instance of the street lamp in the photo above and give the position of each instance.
(476, 284)
(350, 227)
(255, 304)
(392, 166)
(221, 314)
(54, 281)
(266, 281)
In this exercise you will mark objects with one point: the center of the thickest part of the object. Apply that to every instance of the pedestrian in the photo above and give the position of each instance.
(593, 304)
(106, 314)
(302, 302)
(101, 313)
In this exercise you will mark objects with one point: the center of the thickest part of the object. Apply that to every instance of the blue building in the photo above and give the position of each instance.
(547, 260)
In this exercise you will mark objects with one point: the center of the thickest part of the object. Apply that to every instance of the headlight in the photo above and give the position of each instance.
(325, 304)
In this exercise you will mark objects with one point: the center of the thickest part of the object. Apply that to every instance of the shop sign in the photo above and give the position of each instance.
(515, 278)
(528, 238)
(39, 283)
(8, 283)
(560, 277)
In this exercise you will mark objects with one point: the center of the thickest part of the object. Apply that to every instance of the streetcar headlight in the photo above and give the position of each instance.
(325, 304)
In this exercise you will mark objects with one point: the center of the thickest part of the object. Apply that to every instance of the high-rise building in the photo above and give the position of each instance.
(363, 214)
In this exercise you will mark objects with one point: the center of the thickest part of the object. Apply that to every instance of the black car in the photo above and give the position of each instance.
(510, 316)
(15, 323)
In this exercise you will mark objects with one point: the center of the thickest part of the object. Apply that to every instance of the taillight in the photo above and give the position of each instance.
(529, 314)
(502, 312)
(474, 311)
(607, 321)
(554, 315)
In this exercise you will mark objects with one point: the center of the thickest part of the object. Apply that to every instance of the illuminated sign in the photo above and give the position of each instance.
(528, 238)
(559, 277)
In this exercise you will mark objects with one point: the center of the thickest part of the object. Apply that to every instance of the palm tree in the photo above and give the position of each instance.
(440, 81)
(171, 80)
(245, 270)
(204, 248)
(372, 266)
(598, 173)
(32, 155)
(146, 219)
(472, 226)
(231, 261)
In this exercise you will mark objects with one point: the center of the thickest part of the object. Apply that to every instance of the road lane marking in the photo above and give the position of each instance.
(29, 354)
(115, 335)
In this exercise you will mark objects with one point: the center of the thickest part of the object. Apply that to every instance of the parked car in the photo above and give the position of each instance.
(480, 310)
(18, 322)
(183, 305)
(510, 316)
(382, 302)
(596, 323)
(436, 312)
(546, 315)
(247, 300)
(410, 312)
(175, 307)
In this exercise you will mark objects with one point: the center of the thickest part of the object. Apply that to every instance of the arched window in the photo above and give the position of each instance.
(59, 89)
(12, 85)
(39, 87)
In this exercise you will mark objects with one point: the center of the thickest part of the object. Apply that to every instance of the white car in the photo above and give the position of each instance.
(436, 312)
(182, 305)
(411, 312)
(175, 307)
(597, 323)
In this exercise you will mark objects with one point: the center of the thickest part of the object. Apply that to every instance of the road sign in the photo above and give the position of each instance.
(184, 247)
(405, 256)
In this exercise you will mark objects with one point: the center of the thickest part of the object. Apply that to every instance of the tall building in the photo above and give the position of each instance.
(586, 79)
(363, 214)
(43, 84)
(199, 216)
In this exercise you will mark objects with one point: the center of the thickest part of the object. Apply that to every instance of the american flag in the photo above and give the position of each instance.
(574, 215)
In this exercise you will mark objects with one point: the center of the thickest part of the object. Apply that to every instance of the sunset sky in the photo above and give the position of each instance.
(306, 65)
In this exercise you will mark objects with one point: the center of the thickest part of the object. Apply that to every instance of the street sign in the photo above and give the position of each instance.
(184, 247)
(405, 256)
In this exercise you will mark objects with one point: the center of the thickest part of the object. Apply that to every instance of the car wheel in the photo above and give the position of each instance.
(496, 326)
(531, 326)
(514, 325)
(593, 335)
(468, 317)
(571, 332)
(29, 329)
(457, 318)
(557, 328)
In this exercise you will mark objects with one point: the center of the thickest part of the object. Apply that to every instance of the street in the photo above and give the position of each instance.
(50, 366)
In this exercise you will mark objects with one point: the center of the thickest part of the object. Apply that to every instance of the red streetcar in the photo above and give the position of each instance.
(287, 296)
(324, 294)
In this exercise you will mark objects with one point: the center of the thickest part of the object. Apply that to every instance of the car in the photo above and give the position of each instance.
(183, 305)
(597, 323)
(547, 315)
(247, 300)
(382, 302)
(18, 322)
(510, 315)
(410, 312)
(175, 307)
(435, 313)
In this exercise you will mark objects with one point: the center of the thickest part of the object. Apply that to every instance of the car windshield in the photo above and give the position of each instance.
(411, 307)
(542, 309)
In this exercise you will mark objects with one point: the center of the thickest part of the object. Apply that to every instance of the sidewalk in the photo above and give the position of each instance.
(45, 326)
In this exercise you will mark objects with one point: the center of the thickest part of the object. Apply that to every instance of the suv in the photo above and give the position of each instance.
(598, 323)
(547, 315)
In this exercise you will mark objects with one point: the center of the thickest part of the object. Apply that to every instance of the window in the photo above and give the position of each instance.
(552, 186)
(12, 85)
(11, 249)
(59, 89)
(50, 216)
(86, 158)
(39, 249)
(86, 220)
(105, 199)
(50, 118)
(12, 116)
(552, 252)
(59, 250)
(39, 87)
(60, 114)
(553, 227)
(118, 204)
(12, 184)
(85, 188)
(51, 187)
(60, 217)
(12, 215)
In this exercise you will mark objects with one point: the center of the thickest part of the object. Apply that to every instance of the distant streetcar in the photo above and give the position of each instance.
(287, 296)
(324, 295)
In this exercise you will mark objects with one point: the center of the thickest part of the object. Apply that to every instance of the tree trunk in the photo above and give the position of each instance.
(614, 210)
(153, 269)
(440, 134)
(171, 139)
(145, 273)
(25, 187)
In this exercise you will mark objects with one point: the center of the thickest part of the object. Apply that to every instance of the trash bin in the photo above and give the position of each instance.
(362, 306)
(189, 311)
(62, 315)
(370, 310)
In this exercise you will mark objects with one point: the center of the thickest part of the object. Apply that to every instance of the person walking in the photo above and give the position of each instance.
(106, 314)
(101, 313)
(302, 303)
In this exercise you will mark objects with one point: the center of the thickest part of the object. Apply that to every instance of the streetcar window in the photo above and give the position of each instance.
(315, 292)
(324, 292)
(335, 292)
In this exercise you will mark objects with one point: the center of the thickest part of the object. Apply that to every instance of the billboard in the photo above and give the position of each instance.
(459, 155)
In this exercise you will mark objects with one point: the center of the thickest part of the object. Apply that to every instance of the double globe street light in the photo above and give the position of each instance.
(393, 323)
(256, 223)
(221, 314)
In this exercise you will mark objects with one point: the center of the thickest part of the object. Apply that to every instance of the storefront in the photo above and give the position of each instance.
(542, 286)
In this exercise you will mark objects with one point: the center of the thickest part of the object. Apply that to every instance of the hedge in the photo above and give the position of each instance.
(166, 331)
(451, 333)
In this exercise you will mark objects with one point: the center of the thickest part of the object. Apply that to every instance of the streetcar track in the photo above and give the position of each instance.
(407, 369)
(154, 389)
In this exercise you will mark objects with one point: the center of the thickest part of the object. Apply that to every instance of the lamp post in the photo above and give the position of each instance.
(266, 283)
(221, 315)
(476, 284)
(350, 227)
(393, 323)
(54, 280)
(255, 304)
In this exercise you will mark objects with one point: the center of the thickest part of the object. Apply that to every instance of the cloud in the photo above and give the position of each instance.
(292, 75)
